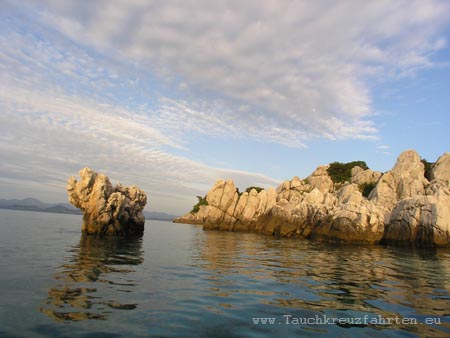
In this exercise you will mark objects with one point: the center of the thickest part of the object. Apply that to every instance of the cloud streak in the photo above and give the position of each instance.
(122, 86)
(48, 130)
(45, 149)
(304, 68)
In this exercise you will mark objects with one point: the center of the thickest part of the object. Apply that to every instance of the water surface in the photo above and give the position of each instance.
(180, 281)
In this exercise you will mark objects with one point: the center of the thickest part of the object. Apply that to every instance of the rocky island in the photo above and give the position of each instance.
(107, 210)
(408, 205)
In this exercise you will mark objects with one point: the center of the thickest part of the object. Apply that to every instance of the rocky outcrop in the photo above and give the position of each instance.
(441, 169)
(405, 180)
(368, 176)
(353, 219)
(320, 180)
(106, 209)
(404, 207)
(230, 210)
(422, 221)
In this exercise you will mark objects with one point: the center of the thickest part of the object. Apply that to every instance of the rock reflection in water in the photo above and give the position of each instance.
(301, 277)
(94, 278)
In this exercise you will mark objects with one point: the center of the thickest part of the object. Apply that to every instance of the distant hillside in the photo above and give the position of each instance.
(60, 209)
(33, 204)
(158, 216)
(26, 202)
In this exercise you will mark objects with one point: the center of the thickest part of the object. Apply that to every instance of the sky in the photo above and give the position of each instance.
(173, 95)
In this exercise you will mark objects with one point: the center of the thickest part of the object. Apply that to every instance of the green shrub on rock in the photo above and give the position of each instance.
(428, 167)
(201, 201)
(258, 189)
(342, 172)
(366, 188)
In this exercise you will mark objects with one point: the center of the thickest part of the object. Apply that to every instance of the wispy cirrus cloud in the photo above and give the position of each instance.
(303, 68)
(49, 127)
(122, 85)
(43, 143)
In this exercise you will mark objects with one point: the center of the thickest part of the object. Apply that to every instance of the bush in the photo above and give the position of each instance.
(366, 188)
(428, 167)
(258, 189)
(201, 201)
(341, 172)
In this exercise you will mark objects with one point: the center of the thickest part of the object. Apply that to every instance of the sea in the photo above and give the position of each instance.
(181, 281)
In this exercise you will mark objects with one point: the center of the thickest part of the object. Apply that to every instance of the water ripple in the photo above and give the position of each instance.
(180, 281)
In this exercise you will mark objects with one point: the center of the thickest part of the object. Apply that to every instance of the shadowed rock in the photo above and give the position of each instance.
(106, 209)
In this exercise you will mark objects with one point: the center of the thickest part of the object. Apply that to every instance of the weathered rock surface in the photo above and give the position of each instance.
(367, 176)
(106, 209)
(441, 169)
(404, 207)
(405, 180)
(422, 220)
(320, 180)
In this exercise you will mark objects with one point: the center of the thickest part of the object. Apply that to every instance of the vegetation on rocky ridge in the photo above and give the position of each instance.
(366, 188)
(342, 172)
(258, 190)
(428, 167)
(201, 201)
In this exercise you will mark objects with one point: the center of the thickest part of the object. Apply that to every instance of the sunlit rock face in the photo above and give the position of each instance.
(422, 221)
(402, 208)
(441, 169)
(106, 209)
(406, 179)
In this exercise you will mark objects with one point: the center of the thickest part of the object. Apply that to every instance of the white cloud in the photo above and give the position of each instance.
(47, 131)
(78, 85)
(384, 149)
(302, 67)
(44, 149)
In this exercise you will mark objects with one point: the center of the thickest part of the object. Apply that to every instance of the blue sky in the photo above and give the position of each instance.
(172, 95)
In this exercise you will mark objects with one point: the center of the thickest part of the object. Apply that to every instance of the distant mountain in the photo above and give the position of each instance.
(26, 202)
(158, 216)
(33, 204)
(61, 209)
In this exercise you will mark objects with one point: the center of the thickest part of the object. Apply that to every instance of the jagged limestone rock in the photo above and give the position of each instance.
(106, 209)
(405, 180)
(321, 180)
(351, 222)
(356, 170)
(441, 169)
(403, 208)
(367, 176)
(422, 220)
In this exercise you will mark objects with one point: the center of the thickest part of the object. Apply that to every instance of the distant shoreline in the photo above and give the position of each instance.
(67, 211)
(52, 210)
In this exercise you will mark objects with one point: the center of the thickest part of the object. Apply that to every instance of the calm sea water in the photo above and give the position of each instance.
(181, 281)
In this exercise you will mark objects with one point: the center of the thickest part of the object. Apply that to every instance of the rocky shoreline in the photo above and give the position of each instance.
(403, 208)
